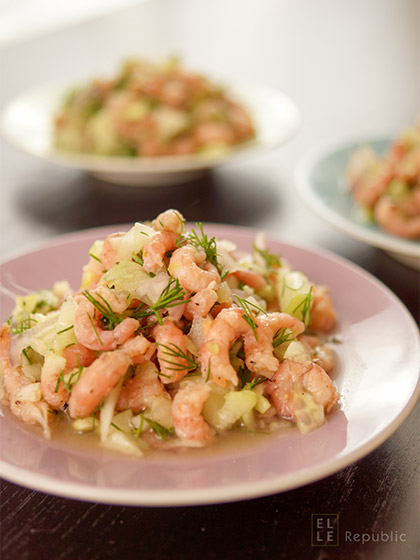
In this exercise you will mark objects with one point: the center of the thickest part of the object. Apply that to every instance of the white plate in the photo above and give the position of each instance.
(320, 184)
(378, 378)
(27, 123)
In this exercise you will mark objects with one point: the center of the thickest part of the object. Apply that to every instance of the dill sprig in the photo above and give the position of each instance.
(24, 325)
(305, 307)
(281, 336)
(66, 329)
(249, 309)
(244, 375)
(25, 353)
(173, 351)
(209, 246)
(94, 328)
(172, 296)
(109, 319)
(138, 258)
(72, 379)
(271, 260)
(160, 431)
(95, 257)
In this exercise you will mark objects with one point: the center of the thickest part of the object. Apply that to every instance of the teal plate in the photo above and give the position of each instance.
(321, 185)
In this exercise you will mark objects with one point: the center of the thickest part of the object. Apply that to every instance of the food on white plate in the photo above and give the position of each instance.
(387, 188)
(150, 110)
(174, 340)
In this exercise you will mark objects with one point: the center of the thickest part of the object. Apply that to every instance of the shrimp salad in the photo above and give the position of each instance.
(388, 188)
(151, 110)
(174, 340)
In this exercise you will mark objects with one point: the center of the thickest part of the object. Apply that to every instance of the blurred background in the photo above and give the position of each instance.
(352, 68)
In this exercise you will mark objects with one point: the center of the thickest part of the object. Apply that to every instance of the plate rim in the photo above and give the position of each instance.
(218, 494)
(376, 238)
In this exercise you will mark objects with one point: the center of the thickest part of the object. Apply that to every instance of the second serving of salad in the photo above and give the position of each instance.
(174, 340)
(150, 110)
(387, 188)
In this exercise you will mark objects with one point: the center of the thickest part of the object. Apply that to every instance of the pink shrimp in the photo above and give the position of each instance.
(97, 381)
(54, 392)
(108, 253)
(410, 206)
(321, 353)
(139, 391)
(368, 176)
(201, 303)
(139, 348)
(291, 375)
(185, 267)
(189, 423)
(14, 382)
(240, 122)
(92, 273)
(78, 355)
(259, 355)
(170, 220)
(170, 339)
(322, 309)
(87, 325)
(156, 248)
(408, 168)
(214, 355)
(250, 278)
(393, 220)
(214, 131)
(183, 146)
(174, 93)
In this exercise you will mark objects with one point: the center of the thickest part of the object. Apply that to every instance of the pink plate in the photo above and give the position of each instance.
(378, 377)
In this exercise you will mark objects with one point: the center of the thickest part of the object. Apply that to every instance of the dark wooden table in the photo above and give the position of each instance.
(375, 499)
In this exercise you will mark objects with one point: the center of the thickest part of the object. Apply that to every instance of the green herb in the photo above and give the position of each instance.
(66, 329)
(271, 260)
(160, 430)
(109, 318)
(116, 427)
(208, 245)
(94, 328)
(22, 326)
(98, 408)
(246, 381)
(73, 378)
(305, 306)
(25, 353)
(171, 296)
(249, 309)
(282, 335)
(174, 351)
(335, 340)
(138, 258)
(138, 431)
(95, 257)
(39, 305)
(60, 379)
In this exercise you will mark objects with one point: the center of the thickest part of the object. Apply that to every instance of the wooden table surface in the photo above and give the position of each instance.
(345, 78)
